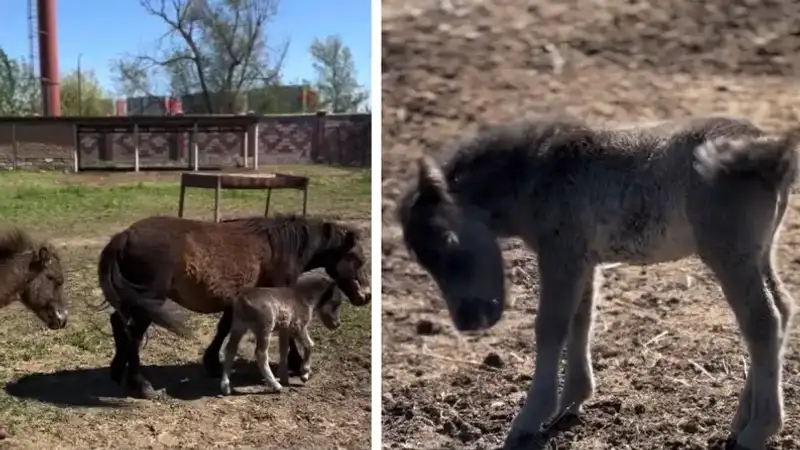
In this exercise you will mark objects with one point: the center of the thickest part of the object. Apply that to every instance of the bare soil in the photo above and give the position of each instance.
(668, 358)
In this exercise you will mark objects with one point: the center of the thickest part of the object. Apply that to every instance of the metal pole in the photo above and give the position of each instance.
(80, 90)
(48, 58)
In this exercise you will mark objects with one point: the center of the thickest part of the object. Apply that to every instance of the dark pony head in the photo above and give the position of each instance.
(459, 251)
(318, 243)
(33, 271)
(341, 254)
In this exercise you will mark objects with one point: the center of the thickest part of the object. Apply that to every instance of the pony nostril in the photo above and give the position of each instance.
(474, 314)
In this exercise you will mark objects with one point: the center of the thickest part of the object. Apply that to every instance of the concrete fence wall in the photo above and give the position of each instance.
(335, 139)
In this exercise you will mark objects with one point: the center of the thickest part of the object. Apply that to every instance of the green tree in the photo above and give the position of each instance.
(20, 92)
(215, 49)
(84, 96)
(336, 76)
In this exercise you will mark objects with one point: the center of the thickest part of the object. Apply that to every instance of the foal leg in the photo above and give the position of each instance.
(760, 412)
(564, 274)
(211, 361)
(138, 385)
(295, 359)
(305, 364)
(262, 358)
(783, 300)
(283, 364)
(120, 361)
(785, 306)
(579, 383)
(231, 349)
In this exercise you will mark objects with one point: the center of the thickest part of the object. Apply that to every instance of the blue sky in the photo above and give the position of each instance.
(104, 30)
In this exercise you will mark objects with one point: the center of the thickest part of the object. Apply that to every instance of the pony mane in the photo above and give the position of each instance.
(14, 241)
(293, 233)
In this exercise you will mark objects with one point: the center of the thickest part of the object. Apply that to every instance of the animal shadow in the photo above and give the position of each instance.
(93, 388)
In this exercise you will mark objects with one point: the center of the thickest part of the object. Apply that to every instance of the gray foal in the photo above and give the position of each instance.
(287, 310)
(580, 196)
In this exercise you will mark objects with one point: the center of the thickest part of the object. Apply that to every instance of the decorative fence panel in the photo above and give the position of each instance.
(285, 139)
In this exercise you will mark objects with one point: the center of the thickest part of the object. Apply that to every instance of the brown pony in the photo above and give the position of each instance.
(31, 272)
(203, 266)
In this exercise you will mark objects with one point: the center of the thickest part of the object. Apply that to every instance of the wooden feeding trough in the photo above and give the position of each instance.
(220, 181)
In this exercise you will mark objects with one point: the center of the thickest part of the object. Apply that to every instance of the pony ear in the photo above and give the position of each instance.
(41, 258)
(350, 239)
(433, 190)
(43, 255)
(432, 184)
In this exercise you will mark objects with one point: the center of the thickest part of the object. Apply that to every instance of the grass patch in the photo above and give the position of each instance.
(66, 203)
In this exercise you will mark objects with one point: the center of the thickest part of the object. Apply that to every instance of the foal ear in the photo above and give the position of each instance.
(432, 183)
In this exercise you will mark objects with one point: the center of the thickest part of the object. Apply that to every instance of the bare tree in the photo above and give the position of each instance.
(336, 75)
(215, 48)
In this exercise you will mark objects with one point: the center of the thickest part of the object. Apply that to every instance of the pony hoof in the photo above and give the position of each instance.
(3, 433)
(304, 377)
(274, 389)
(226, 390)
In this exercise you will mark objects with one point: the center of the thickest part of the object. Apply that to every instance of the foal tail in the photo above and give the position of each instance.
(770, 160)
(125, 296)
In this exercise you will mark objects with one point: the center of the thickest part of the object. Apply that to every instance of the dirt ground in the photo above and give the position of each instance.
(57, 393)
(668, 359)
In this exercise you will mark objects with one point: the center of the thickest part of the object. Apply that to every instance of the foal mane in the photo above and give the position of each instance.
(292, 233)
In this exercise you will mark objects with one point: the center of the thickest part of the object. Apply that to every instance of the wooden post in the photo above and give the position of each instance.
(245, 139)
(195, 151)
(136, 147)
(254, 132)
(269, 196)
(182, 197)
(14, 150)
(305, 199)
(76, 149)
(318, 151)
(216, 198)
